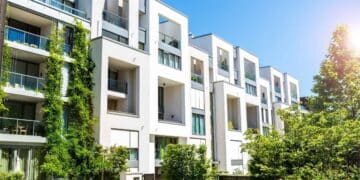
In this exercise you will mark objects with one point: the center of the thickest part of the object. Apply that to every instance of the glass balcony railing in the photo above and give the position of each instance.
(118, 86)
(224, 66)
(20, 126)
(63, 7)
(26, 81)
(263, 101)
(115, 19)
(250, 76)
(30, 39)
(22, 37)
(169, 40)
(277, 89)
(196, 78)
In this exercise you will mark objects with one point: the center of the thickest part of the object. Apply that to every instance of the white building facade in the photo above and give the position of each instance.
(154, 84)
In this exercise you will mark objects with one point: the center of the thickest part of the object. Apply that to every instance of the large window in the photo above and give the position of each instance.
(161, 103)
(160, 145)
(169, 59)
(115, 37)
(198, 124)
(251, 89)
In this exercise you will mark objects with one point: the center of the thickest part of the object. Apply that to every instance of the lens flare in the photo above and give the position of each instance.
(354, 39)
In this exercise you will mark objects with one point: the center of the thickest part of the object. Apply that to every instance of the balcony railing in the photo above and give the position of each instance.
(30, 39)
(169, 40)
(196, 78)
(23, 37)
(277, 89)
(26, 81)
(250, 76)
(63, 7)
(115, 19)
(20, 126)
(224, 66)
(118, 86)
(263, 101)
(142, 35)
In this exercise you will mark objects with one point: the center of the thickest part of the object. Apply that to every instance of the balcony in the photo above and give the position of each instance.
(250, 76)
(20, 126)
(26, 81)
(224, 66)
(196, 78)
(263, 101)
(63, 7)
(118, 86)
(277, 89)
(30, 39)
(115, 19)
(166, 39)
(26, 38)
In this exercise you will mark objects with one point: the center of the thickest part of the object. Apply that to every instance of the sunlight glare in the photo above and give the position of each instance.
(354, 38)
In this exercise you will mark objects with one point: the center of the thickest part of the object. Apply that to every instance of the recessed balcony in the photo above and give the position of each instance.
(17, 126)
(117, 86)
(63, 7)
(26, 82)
(115, 19)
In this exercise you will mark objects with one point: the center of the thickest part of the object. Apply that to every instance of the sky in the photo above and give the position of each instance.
(292, 36)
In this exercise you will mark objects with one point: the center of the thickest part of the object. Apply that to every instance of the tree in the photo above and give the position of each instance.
(339, 78)
(324, 143)
(56, 158)
(182, 161)
(82, 145)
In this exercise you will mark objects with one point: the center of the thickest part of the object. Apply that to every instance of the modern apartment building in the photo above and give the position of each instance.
(154, 84)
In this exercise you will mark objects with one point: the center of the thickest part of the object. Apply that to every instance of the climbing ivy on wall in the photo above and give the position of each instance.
(82, 145)
(6, 67)
(56, 159)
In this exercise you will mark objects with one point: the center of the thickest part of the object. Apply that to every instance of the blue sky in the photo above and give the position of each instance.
(292, 36)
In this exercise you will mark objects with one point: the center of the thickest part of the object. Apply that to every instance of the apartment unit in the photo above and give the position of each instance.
(154, 84)
(284, 92)
(29, 25)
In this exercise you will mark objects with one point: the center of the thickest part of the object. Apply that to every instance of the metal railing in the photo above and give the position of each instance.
(20, 126)
(169, 40)
(196, 78)
(23, 37)
(115, 19)
(118, 86)
(26, 81)
(142, 35)
(63, 7)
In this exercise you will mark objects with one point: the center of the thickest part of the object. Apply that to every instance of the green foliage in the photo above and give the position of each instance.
(6, 67)
(55, 162)
(116, 158)
(82, 146)
(321, 144)
(12, 176)
(339, 78)
(186, 162)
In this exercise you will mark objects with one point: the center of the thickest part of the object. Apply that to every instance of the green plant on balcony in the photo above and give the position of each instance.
(223, 65)
(230, 125)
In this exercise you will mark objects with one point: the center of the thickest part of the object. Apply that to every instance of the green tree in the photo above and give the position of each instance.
(339, 78)
(56, 158)
(116, 158)
(182, 161)
(324, 143)
(82, 145)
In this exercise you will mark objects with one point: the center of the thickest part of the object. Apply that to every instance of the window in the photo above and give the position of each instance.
(161, 102)
(115, 37)
(250, 70)
(198, 124)
(141, 46)
(278, 99)
(251, 89)
(223, 57)
(169, 59)
(129, 139)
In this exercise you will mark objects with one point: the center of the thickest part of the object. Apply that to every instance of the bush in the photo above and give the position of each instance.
(12, 176)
